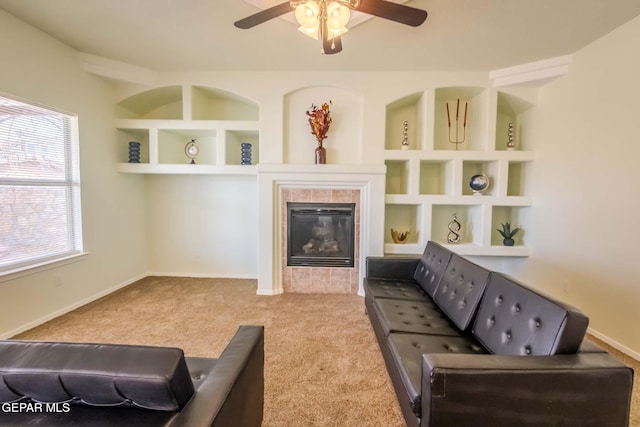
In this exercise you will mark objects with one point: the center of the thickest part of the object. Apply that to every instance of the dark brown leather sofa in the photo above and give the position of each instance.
(75, 384)
(465, 346)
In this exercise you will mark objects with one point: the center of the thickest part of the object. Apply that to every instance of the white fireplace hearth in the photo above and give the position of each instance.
(363, 185)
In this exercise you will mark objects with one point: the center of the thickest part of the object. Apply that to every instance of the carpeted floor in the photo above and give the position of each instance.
(323, 366)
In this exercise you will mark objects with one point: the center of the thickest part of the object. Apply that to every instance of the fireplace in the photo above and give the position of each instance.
(320, 234)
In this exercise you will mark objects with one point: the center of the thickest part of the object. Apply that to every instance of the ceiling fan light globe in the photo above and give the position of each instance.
(311, 32)
(337, 16)
(307, 14)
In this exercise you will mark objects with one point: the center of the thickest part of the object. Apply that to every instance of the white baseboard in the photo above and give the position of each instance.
(57, 313)
(6, 335)
(205, 275)
(269, 292)
(615, 344)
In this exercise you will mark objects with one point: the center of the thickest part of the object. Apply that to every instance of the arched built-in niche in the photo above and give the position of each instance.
(344, 140)
(163, 120)
(163, 103)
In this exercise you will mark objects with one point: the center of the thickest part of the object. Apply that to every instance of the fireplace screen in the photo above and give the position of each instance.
(320, 234)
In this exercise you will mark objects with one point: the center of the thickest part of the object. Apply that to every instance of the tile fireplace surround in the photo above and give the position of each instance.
(279, 184)
(319, 280)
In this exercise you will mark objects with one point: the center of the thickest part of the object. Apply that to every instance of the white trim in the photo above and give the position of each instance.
(34, 268)
(204, 275)
(116, 70)
(538, 71)
(264, 291)
(369, 179)
(270, 292)
(67, 309)
(615, 344)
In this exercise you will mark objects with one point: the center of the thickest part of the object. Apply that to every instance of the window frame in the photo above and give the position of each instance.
(72, 189)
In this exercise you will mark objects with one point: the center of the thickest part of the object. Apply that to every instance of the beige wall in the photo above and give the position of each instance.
(38, 68)
(585, 183)
(581, 227)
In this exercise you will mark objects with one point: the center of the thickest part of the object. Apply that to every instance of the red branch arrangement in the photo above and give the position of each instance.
(320, 120)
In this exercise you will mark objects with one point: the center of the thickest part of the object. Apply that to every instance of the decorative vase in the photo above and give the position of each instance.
(321, 154)
(508, 242)
(134, 152)
(400, 236)
(245, 153)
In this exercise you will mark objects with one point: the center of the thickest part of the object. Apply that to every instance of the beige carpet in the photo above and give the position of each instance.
(323, 366)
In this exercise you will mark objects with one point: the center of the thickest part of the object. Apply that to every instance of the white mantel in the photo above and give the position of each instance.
(272, 178)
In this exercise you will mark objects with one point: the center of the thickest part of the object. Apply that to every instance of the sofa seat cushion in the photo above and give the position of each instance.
(420, 317)
(95, 374)
(516, 320)
(407, 350)
(395, 289)
(460, 290)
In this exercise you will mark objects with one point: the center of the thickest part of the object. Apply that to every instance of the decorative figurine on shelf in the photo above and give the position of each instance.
(134, 152)
(479, 184)
(320, 121)
(405, 135)
(456, 139)
(245, 153)
(454, 228)
(507, 233)
(400, 236)
(510, 144)
(192, 151)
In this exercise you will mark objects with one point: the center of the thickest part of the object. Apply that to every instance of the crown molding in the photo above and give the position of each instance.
(535, 73)
(116, 70)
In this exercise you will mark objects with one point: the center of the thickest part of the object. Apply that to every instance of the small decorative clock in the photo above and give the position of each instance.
(192, 150)
(479, 183)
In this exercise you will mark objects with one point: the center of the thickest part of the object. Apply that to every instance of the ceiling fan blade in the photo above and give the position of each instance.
(331, 46)
(263, 16)
(393, 11)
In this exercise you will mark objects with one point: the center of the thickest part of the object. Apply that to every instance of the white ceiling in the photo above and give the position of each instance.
(198, 35)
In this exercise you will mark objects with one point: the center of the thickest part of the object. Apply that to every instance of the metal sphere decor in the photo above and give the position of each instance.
(479, 183)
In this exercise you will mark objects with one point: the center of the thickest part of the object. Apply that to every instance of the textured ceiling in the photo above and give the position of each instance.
(198, 35)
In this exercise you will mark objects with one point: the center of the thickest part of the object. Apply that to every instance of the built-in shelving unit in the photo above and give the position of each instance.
(164, 120)
(428, 181)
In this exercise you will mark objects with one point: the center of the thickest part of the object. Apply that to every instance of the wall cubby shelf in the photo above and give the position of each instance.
(428, 182)
(164, 120)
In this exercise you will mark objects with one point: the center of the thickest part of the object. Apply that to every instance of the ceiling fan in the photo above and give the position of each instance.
(326, 20)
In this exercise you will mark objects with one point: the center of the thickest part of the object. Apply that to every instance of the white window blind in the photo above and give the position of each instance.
(39, 185)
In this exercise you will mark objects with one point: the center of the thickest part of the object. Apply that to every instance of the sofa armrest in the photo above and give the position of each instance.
(587, 389)
(390, 267)
(233, 394)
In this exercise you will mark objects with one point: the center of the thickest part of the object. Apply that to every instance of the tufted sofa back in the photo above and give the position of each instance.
(431, 267)
(515, 320)
(460, 290)
(95, 374)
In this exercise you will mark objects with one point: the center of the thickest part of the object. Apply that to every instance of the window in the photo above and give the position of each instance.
(39, 186)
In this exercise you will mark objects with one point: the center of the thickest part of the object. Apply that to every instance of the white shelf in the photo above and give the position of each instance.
(429, 183)
(510, 251)
(461, 249)
(186, 169)
(164, 120)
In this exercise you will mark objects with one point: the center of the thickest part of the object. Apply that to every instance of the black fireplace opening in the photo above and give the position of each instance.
(320, 234)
